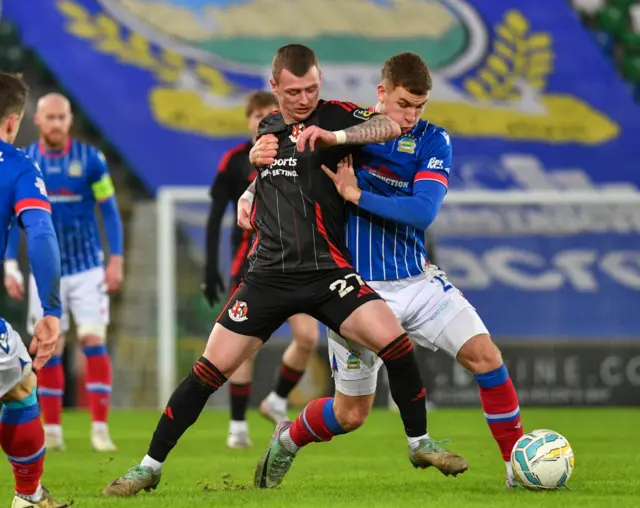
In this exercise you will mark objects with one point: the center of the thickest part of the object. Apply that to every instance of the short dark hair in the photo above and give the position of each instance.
(298, 59)
(259, 100)
(409, 71)
(13, 94)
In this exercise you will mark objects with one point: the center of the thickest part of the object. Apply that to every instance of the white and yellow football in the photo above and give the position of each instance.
(542, 460)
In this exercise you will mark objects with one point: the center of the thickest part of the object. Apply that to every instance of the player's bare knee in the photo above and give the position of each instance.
(305, 332)
(352, 411)
(351, 419)
(92, 335)
(244, 373)
(305, 343)
(227, 350)
(479, 355)
(22, 390)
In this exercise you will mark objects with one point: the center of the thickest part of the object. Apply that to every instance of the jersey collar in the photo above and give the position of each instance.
(54, 154)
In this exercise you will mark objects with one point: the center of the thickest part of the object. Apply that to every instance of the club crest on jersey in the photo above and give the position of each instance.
(363, 114)
(239, 311)
(295, 132)
(407, 145)
(75, 168)
(353, 361)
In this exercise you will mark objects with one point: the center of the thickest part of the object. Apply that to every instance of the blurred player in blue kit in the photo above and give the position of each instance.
(23, 200)
(77, 178)
(393, 197)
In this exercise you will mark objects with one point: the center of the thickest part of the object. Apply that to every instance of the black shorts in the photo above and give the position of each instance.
(264, 301)
(235, 280)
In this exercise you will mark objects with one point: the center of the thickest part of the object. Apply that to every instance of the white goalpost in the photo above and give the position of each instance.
(170, 198)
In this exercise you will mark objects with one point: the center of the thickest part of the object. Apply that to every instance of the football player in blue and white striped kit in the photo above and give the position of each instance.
(24, 202)
(77, 179)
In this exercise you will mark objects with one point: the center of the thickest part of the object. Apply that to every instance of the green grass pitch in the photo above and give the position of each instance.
(366, 469)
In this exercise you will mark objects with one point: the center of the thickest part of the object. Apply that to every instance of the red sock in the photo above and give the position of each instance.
(22, 439)
(98, 379)
(501, 408)
(51, 390)
(316, 423)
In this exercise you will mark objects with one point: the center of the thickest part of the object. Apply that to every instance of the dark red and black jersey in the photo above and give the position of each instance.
(297, 212)
(235, 173)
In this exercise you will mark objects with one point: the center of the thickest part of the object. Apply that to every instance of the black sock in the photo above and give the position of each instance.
(239, 398)
(288, 378)
(405, 382)
(184, 407)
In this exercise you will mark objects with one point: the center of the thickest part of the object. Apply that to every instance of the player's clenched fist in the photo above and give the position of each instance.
(45, 336)
(264, 151)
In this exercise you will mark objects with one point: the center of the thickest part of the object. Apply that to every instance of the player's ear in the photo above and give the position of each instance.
(274, 86)
(13, 124)
(382, 92)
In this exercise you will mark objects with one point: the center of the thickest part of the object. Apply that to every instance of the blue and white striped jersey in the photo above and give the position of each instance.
(76, 178)
(382, 249)
(22, 189)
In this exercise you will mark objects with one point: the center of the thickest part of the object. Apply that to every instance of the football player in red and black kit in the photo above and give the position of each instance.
(299, 263)
(235, 173)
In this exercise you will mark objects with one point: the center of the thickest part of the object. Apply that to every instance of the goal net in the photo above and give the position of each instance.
(542, 267)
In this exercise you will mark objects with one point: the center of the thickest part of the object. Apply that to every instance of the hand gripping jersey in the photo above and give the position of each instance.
(384, 249)
(297, 213)
(77, 178)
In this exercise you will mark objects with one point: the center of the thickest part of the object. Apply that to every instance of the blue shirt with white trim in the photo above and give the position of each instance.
(77, 178)
(23, 198)
(403, 184)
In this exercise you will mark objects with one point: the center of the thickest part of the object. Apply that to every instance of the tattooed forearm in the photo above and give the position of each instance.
(376, 130)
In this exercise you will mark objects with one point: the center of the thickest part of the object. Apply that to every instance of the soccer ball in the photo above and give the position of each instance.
(542, 460)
